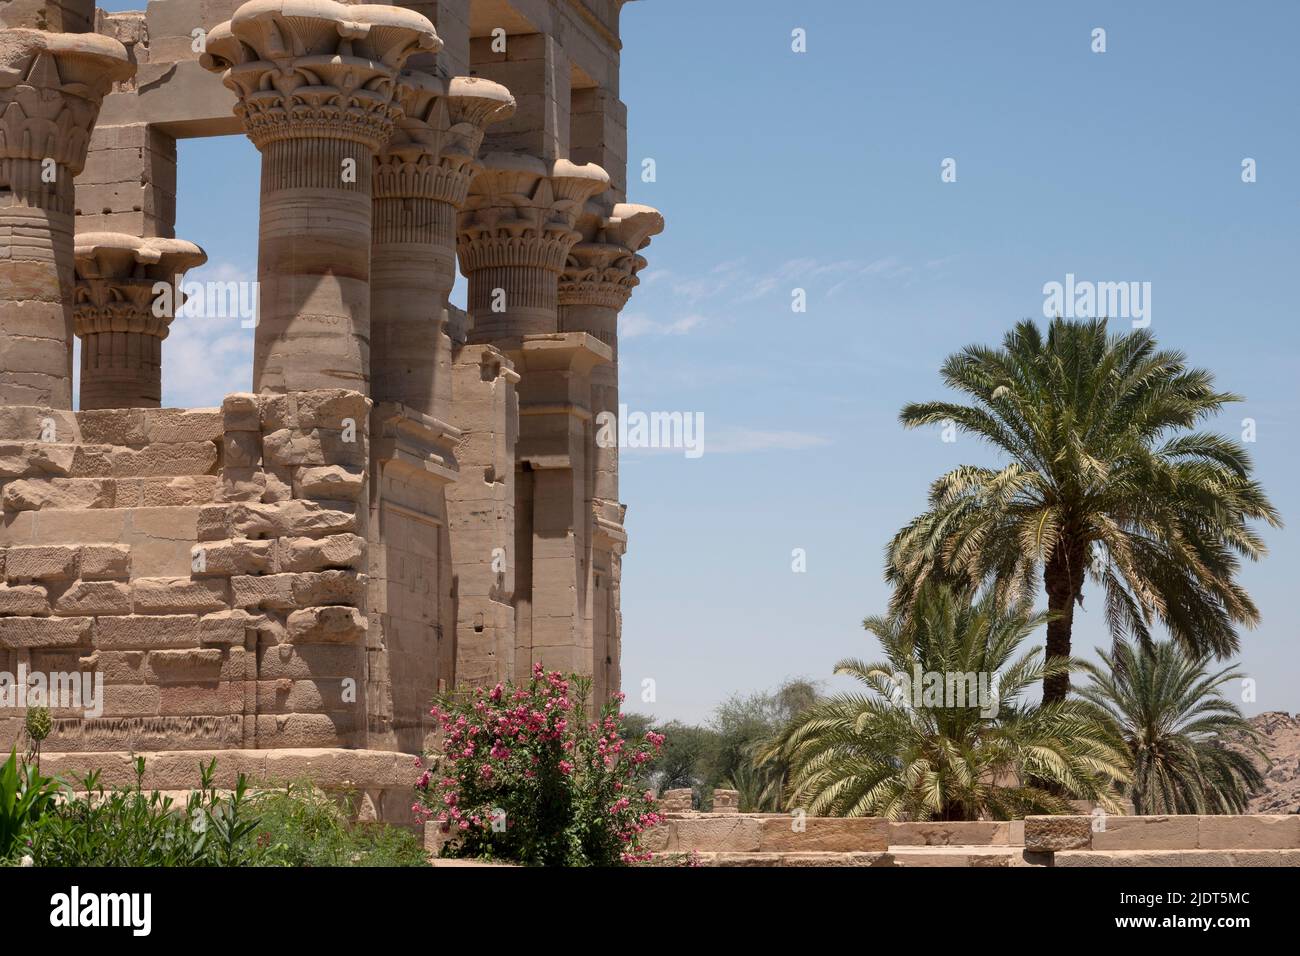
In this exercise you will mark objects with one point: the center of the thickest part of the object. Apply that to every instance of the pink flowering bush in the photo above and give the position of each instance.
(526, 776)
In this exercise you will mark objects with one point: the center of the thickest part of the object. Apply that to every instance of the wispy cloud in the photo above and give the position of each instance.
(735, 441)
(632, 326)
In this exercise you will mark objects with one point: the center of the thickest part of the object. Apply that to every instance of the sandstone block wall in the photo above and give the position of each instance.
(208, 563)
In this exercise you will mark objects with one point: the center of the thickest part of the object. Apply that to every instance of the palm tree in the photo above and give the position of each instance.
(1190, 747)
(879, 754)
(1106, 478)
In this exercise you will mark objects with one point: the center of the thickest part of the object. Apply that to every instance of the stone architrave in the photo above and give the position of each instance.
(51, 88)
(128, 292)
(317, 88)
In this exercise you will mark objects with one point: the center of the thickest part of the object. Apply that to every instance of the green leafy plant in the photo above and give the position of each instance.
(881, 754)
(25, 797)
(1191, 749)
(1107, 478)
(301, 825)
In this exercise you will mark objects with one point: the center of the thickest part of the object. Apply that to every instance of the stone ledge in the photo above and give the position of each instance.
(1174, 832)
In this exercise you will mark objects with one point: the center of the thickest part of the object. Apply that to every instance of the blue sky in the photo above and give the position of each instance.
(821, 171)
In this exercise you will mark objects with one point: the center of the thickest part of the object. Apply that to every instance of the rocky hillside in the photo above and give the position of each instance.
(1280, 739)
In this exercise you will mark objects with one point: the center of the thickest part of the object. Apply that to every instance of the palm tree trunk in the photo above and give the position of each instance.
(1063, 576)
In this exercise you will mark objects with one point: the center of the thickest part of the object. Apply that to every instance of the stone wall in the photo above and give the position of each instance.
(208, 563)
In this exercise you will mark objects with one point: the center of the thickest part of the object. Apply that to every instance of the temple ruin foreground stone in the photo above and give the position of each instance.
(409, 498)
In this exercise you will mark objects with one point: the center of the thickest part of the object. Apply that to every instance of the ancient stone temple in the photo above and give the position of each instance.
(409, 497)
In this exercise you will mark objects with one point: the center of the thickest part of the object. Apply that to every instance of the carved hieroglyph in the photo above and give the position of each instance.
(317, 87)
(128, 292)
(51, 87)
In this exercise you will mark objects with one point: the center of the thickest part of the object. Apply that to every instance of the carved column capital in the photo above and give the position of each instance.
(316, 69)
(122, 318)
(51, 88)
(433, 151)
(116, 279)
(522, 212)
(602, 268)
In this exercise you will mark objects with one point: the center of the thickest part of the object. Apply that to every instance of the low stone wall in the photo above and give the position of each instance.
(767, 833)
(1050, 834)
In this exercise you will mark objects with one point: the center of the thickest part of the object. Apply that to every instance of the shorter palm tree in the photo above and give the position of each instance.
(880, 754)
(1191, 749)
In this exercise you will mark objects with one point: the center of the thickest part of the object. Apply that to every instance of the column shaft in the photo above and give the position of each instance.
(313, 266)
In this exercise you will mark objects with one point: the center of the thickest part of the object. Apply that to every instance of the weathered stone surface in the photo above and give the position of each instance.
(164, 459)
(147, 631)
(1254, 832)
(36, 494)
(24, 599)
(1048, 834)
(176, 425)
(277, 519)
(106, 562)
(336, 482)
(94, 598)
(178, 492)
(950, 833)
(226, 558)
(789, 834)
(41, 563)
(35, 459)
(318, 554)
(287, 591)
(30, 632)
(314, 447)
(326, 625)
(1143, 833)
(240, 412)
(227, 627)
(242, 449)
(735, 833)
(172, 595)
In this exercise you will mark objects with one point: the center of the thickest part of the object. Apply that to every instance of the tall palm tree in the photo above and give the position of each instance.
(1107, 478)
(880, 754)
(1191, 749)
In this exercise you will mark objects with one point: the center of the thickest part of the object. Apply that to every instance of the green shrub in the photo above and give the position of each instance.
(302, 826)
(25, 797)
(128, 827)
(298, 825)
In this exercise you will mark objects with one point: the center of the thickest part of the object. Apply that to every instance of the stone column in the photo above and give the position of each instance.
(128, 292)
(597, 281)
(515, 235)
(51, 87)
(316, 82)
(421, 179)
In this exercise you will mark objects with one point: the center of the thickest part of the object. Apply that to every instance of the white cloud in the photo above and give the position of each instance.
(734, 441)
(635, 325)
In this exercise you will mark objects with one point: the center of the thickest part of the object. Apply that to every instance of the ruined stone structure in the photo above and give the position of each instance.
(409, 497)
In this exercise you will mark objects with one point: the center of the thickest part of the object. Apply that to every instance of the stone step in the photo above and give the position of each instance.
(1195, 858)
(973, 856)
